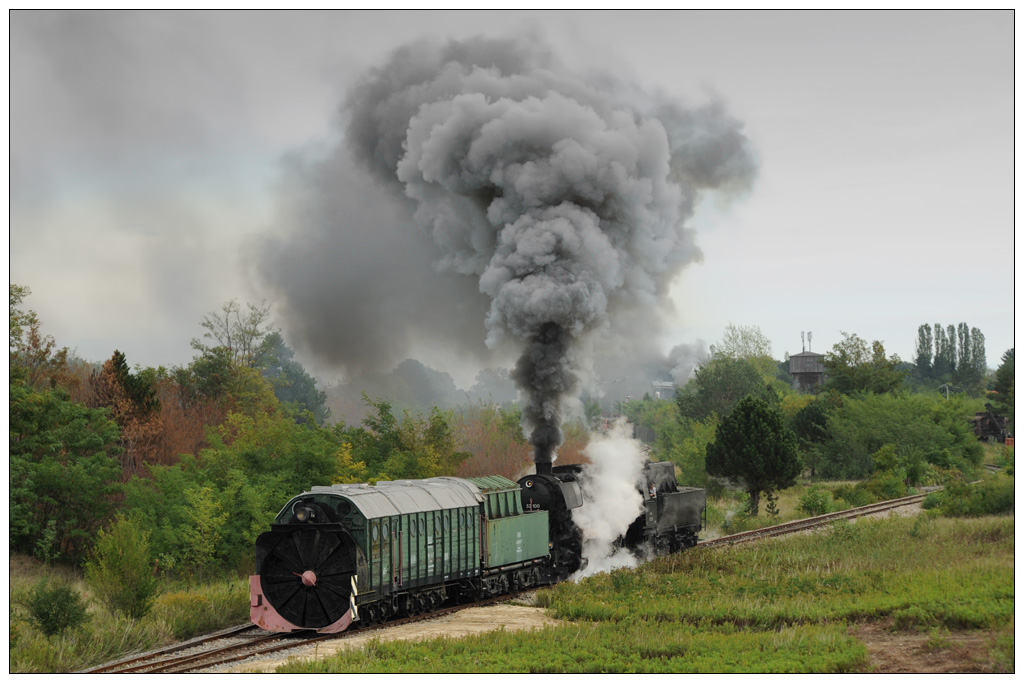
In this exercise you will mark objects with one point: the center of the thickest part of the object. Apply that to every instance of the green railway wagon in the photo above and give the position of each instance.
(512, 540)
(414, 545)
(408, 534)
(510, 536)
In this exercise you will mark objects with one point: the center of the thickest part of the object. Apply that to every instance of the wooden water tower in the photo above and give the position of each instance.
(807, 367)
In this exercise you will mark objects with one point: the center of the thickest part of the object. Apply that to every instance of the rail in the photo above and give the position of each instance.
(810, 522)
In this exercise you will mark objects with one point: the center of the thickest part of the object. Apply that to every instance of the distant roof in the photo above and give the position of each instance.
(805, 354)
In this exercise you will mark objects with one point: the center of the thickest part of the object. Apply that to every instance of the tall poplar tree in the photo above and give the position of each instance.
(924, 350)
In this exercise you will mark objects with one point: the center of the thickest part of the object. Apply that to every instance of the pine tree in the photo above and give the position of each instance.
(754, 445)
(133, 405)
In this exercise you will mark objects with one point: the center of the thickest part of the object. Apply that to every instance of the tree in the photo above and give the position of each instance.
(963, 339)
(494, 435)
(920, 426)
(34, 357)
(19, 319)
(971, 365)
(207, 376)
(978, 359)
(63, 471)
(241, 335)
(133, 404)
(410, 448)
(925, 343)
(293, 386)
(685, 444)
(810, 425)
(959, 356)
(255, 462)
(951, 345)
(201, 535)
(718, 385)
(120, 569)
(56, 607)
(851, 367)
(1004, 388)
(749, 343)
(753, 445)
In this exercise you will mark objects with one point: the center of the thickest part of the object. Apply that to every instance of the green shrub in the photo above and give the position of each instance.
(885, 485)
(992, 497)
(817, 501)
(119, 569)
(194, 611)
(855, 496)
(56, 607)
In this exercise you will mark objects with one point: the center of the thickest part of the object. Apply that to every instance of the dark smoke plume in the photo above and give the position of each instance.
(563, 197)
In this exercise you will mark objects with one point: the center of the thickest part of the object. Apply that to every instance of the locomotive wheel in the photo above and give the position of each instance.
(307, 576)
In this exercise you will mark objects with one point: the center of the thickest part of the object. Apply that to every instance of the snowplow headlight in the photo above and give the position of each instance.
(304, 514)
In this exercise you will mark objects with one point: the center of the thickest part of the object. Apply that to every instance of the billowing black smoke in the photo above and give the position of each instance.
(565, 197)
(544, 372)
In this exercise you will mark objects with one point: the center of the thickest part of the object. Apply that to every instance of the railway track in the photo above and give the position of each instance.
(248, 641)
(811, 522)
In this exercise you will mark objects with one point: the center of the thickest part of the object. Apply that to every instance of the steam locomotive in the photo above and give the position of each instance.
(354, 553)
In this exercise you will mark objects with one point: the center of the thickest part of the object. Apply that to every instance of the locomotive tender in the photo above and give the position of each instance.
(359, 553)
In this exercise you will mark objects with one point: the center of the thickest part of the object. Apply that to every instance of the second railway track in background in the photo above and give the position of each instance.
(810, 522)
(247, 642)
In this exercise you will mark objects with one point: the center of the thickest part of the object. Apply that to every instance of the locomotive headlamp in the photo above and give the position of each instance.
(304, 514)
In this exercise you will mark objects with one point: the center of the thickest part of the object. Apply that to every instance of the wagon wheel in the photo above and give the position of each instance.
(307, 576)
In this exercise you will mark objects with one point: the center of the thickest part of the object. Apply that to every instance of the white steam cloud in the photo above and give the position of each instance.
(617, 464)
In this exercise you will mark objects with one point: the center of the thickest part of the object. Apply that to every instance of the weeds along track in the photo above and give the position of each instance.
(248, 642)
(811, 522)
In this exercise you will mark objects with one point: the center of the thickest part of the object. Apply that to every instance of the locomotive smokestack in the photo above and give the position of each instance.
(544, 467)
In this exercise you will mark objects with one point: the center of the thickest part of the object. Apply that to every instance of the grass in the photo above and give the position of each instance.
(729, 515)
(789, 605)
(182, 612)
(601, 647)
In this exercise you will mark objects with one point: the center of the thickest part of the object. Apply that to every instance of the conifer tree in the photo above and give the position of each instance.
(754, 445)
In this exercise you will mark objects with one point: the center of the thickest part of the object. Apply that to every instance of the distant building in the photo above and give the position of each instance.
(663, 390)
(808, 370)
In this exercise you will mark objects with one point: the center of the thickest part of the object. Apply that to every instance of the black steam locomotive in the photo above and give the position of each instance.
(337, 555)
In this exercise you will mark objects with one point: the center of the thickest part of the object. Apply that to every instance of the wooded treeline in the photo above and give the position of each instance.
(201, 457)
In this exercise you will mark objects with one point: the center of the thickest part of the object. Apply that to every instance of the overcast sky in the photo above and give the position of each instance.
(148, 153)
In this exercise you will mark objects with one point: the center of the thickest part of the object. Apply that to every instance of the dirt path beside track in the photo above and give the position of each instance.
(464, 623)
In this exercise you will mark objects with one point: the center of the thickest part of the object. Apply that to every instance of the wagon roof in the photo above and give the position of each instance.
(494, 482)
(401, 497)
